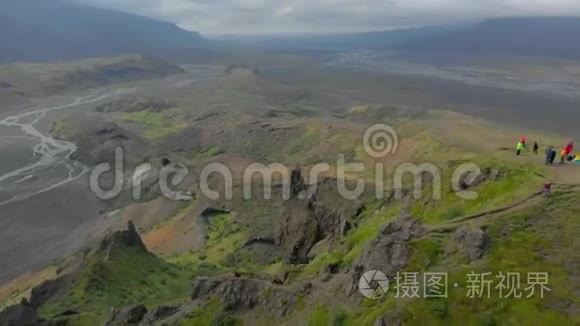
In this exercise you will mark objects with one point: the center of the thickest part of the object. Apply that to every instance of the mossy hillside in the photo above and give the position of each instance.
(537, 239)
(322, 316)
(517, 183)
(520, 181)
(224, 236)
(156, 124)
(210, 314)
(130, 276)
(316, 142)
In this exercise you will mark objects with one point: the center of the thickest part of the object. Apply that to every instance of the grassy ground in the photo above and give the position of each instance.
(210, 314)
(541, 238)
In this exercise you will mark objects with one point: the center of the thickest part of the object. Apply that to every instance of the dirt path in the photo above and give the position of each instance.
(567, 174)
(481, 219)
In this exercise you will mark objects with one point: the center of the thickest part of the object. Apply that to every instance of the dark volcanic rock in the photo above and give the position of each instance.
(471, 242)
(298, 230)
(159, 313)
(389, 252)
(129, 316)
(24, 314)
(122, 239)
(19, 315)
(165, 161)
(239, 294)
(296, 183)
(41, 293)
(304, 222)
(204, 286)
(472, 181)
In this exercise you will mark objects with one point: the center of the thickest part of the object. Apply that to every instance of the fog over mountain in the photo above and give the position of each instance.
(330, 16)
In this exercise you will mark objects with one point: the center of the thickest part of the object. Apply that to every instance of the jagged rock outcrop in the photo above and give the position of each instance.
(22, 314)
(159, 314)
(240, 294)
(389, 252)
(472, 243)
(128, 316)
(298, 230)
(204, 287)
(121, 239)
(486, 174)
(297, 184)
(46, 290)
(25, 312)
(305, 222)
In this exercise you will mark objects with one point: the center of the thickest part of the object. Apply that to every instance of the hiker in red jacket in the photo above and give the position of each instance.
(569, 148)
(523, 141)
(547, 189)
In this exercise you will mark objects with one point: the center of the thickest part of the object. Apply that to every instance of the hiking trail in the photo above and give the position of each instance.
(480, 219)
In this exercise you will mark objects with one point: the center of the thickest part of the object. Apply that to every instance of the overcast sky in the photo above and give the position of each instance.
(323, 16)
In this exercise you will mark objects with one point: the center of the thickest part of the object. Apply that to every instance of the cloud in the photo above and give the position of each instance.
(298, 16)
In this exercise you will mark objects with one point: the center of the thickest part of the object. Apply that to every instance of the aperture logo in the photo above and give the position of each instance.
(380, 140)
(373, 284)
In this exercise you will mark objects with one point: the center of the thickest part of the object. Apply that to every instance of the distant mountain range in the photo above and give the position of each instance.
(57, 30)
(556, 37)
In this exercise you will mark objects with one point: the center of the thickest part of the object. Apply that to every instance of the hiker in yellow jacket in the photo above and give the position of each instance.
(519, 148)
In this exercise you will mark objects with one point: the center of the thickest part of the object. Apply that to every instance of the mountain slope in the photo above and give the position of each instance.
(119, 272)
(22, 81)
(33, 30)
(543, 37)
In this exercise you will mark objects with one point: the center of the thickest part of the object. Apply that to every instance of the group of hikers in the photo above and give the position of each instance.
(565, 155)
